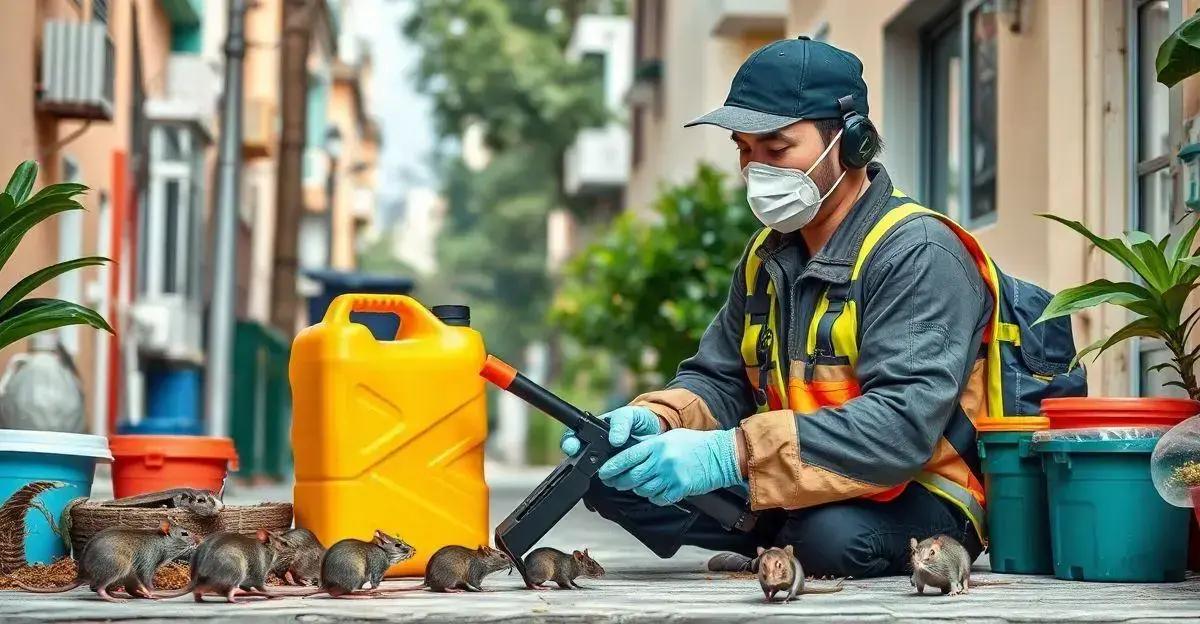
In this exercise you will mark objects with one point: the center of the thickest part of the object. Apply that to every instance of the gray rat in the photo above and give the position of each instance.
(454, 569)
(351, 563)
(548, 564)
(202, 503)
(779, 570)
(125, 557)
(233, 564)
(301, 564)
(941, 562)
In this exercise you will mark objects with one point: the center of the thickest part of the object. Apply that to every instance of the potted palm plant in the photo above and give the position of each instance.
(63, 463)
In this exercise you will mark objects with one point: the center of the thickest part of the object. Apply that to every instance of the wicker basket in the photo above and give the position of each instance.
(89, 518)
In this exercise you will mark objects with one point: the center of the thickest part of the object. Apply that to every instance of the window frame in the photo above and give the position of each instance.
(959, 15)
(186, 171)
(1138, 169)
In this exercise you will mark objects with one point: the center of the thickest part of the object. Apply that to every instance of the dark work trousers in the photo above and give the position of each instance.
(857, 537)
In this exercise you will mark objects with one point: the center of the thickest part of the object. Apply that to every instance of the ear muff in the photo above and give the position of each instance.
(860, 140)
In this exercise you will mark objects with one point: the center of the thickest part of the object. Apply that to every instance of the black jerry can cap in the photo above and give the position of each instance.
(456, 315)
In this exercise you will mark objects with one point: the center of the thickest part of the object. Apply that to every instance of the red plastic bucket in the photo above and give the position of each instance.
(1088, 412)
(149, 463)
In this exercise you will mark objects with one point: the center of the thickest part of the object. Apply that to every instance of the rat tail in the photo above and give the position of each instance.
(48, 590)
(183, 591)
(404, 589)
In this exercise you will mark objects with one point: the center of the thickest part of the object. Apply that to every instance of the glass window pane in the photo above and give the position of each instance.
(1153, 109)
(945, 93)
(1154, 353)
(171, 249)
(983, 110)
(1154, 203)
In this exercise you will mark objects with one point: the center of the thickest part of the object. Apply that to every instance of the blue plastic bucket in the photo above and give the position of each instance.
(1107, 522)
(66, 458)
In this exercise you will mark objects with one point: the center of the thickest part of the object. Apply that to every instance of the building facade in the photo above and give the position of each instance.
(992, 111)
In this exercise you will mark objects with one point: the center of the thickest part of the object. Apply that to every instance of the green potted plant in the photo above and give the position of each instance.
(65, 461)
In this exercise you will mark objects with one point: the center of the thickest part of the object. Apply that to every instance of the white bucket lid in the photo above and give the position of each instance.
(54, 443)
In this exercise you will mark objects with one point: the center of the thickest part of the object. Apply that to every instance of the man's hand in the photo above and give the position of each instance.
(622, 422)
(674, 465)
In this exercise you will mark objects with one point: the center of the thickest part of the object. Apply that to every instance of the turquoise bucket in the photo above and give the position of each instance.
(1018, 531)
(69, 460)
(1107, 522)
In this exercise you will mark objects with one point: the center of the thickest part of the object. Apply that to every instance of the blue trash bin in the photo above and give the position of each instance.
(335, 283)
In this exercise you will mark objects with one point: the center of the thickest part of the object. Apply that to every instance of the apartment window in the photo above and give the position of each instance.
(171, 222)
(1152, 194)
(960, 71)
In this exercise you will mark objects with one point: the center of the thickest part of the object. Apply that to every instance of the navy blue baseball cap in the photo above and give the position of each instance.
(788, 81)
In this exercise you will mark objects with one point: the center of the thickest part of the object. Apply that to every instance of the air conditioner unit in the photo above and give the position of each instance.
(258, 129)
(168, 327)
(78, 63)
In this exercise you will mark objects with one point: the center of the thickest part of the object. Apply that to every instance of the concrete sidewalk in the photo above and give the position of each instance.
(641, 588)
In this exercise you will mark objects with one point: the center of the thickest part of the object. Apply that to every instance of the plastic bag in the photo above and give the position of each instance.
(1099, 434)
(1175, 463)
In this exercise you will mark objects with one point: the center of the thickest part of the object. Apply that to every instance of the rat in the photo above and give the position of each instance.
(202, 503)
(779, 570)
(302, 564)
(125, 557)
(453, 569)
(351, 563)
(941, 562)
(549, 564)
(233, 564)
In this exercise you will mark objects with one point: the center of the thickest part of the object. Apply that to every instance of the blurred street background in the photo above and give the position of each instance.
(527, 158)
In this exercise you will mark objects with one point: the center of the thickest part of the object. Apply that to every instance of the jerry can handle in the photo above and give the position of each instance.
(414, 317)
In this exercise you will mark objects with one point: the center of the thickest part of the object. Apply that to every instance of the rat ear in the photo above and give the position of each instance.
(789, 550)
(912, 543)
(165, 527)
(577, 555)
(262, 535)
(761, 550)
(585, 553)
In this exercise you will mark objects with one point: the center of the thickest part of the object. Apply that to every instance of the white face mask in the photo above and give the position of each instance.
(786, 200)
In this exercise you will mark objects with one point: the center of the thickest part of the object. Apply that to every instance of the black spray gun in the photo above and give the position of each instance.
(559, 492)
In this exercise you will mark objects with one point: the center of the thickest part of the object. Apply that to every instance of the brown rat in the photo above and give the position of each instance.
(232, 564)
(548, 564)
(301, 564)
(202, 503)
(125, 557)
(351, 563)
(779, 570)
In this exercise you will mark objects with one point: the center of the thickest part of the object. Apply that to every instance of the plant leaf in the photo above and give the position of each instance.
(1113, 247)
(7, 205)
(32, 316)
(62, 189)
(1174, 299)
(1155, 261)
(14, 226)
(1158, 367)
(1094, 293)
(1145, 327)
(1179, 55)
(21, 182)
(1183, 246)
(37, 278)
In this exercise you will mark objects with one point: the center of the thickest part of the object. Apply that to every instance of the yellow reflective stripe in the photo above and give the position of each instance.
(777, 370)
(752, 259)
(960, 497)
(749, 341)
(750, 333)
(889, 220)
(1009, 332)
(995, 392)
(845, 333)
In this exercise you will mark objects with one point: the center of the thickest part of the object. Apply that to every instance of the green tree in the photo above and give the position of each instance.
(501, 64)
(651, 287)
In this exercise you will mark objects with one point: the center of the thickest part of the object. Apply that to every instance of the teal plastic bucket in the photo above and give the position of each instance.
(1018, 526)
(1107, 522)
(69, 459)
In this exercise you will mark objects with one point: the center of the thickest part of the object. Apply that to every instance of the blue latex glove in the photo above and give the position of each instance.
(679, 463)
(622, 422)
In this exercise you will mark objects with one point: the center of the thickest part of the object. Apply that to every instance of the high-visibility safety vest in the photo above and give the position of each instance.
(1020, 365)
